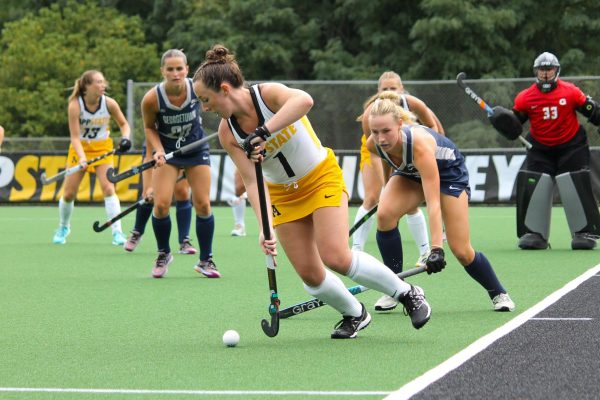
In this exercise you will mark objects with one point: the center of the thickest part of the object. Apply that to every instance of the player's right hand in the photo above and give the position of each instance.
(83, 163)
(435, 261)
(159, 158)
(269, 247)
(124, 145)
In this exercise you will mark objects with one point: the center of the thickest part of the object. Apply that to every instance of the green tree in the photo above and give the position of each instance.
(270, 39)
(196, 28)
(494, 38)
(42, 55)
(464, 35)
(361, 41)
(563, 27)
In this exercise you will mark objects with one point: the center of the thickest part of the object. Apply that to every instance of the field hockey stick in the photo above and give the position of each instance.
(272, 329)
(363, 219)
(99, 228)
(72, 170)
(114, 178)
(316, 303)
(460, 81)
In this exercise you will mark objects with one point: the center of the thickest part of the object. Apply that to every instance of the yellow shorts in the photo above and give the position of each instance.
(365, 155)
(92, 150)
(322, 187)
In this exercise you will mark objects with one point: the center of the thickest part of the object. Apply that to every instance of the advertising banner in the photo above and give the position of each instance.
(492, 177)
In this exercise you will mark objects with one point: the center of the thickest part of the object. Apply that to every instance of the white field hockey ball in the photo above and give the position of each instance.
(231, 338)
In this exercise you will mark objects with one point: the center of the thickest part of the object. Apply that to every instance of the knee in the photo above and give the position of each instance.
(202, 207)
(312, 279)
(370, 201)
(239, 189)
(161, 209)
(386, 220)
(464, 255)
(68, 196)
(182, 195)
(338, 261)
(108, 189)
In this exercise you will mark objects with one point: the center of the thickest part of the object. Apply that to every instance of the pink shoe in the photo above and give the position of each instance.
(187, 248)
(132, 241)
(207, 268)
(161, 265)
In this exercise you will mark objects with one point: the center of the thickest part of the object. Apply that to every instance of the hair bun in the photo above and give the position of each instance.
(218, 53)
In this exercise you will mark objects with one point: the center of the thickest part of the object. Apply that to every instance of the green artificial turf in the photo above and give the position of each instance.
(87, 315)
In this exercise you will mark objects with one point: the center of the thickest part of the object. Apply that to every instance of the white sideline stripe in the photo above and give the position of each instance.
(421, 382)
(194, 392)
(562, 319)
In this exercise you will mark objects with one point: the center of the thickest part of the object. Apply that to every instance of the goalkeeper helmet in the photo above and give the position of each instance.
(546, 62)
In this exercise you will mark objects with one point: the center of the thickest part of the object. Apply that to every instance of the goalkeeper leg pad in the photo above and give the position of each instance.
(534, 206)
(581, 209)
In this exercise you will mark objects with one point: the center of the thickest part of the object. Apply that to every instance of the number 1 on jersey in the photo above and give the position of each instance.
(286, 166)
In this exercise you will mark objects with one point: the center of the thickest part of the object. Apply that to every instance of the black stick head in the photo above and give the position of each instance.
(273, 329)
(99, 228)
(110, 175)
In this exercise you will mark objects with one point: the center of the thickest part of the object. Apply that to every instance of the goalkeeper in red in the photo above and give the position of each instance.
(560, 155)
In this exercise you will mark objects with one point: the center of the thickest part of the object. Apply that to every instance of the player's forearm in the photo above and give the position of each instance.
(153, 140)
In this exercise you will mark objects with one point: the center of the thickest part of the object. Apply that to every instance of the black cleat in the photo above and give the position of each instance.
(583, 241)
(533, 241)
(416, 306)
(349, 326)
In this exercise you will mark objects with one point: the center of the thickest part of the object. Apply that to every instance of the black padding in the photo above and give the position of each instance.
(591, 110)
(506, 122)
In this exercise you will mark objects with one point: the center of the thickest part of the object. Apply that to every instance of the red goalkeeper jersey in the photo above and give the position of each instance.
(552, 115)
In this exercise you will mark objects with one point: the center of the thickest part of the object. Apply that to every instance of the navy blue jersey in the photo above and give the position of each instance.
(454, 177)
(178, 126)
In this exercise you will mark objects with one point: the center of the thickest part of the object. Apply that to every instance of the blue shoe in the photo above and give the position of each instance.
(118, 238)
(60, 236)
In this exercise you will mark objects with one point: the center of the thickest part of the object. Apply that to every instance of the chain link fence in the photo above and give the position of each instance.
(339, 103)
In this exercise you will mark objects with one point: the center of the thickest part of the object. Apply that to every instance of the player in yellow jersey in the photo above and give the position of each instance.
(305, 187)
(90, 111)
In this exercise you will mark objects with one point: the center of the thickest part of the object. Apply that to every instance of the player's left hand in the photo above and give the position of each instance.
(435, 261)
(254, 144)
(124, 145)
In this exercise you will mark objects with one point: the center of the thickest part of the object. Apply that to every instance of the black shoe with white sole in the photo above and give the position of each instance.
(349, 326)
(416, 306)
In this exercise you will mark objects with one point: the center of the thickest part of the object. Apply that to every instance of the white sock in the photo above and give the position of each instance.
(333, 292)
(360, 236)
(368, 271)
(112, 205)
(239, 210)
(418, 228)
(65, 209)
